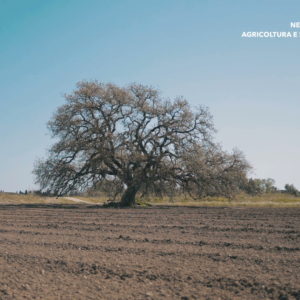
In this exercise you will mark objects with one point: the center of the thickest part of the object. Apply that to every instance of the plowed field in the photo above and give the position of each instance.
(81, 252)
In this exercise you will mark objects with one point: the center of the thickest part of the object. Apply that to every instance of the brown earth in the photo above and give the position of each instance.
(81, 252)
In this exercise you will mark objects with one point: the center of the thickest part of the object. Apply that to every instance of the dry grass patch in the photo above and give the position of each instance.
(12, 198)
(266, 200)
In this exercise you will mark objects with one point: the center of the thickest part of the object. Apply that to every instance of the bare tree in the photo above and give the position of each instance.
(135, 138)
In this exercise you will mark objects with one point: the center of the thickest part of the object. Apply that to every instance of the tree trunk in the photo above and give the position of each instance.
(128, 198)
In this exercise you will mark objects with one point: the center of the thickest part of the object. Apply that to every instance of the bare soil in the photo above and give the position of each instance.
(86, 252)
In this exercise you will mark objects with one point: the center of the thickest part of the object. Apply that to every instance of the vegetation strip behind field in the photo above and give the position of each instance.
(267, 200)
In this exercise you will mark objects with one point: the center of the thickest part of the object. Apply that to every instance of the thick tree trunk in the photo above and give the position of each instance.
(128, 198)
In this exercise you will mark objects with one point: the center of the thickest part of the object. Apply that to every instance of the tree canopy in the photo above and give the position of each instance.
(136, 140)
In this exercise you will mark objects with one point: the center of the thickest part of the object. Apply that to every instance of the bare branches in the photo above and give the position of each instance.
(134, 137)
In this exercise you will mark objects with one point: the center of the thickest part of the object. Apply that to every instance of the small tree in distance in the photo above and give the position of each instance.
(257, 186)
(291, 189)
(136, 140)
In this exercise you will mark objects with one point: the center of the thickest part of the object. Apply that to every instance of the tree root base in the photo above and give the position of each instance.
(117, 205)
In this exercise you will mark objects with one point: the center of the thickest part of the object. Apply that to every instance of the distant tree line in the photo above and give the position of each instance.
(24, 193)
(257, 186)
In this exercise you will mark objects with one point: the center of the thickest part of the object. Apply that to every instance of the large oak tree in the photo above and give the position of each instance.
(135, 139)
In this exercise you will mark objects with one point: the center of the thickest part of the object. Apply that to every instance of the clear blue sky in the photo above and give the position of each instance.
(189, 48)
